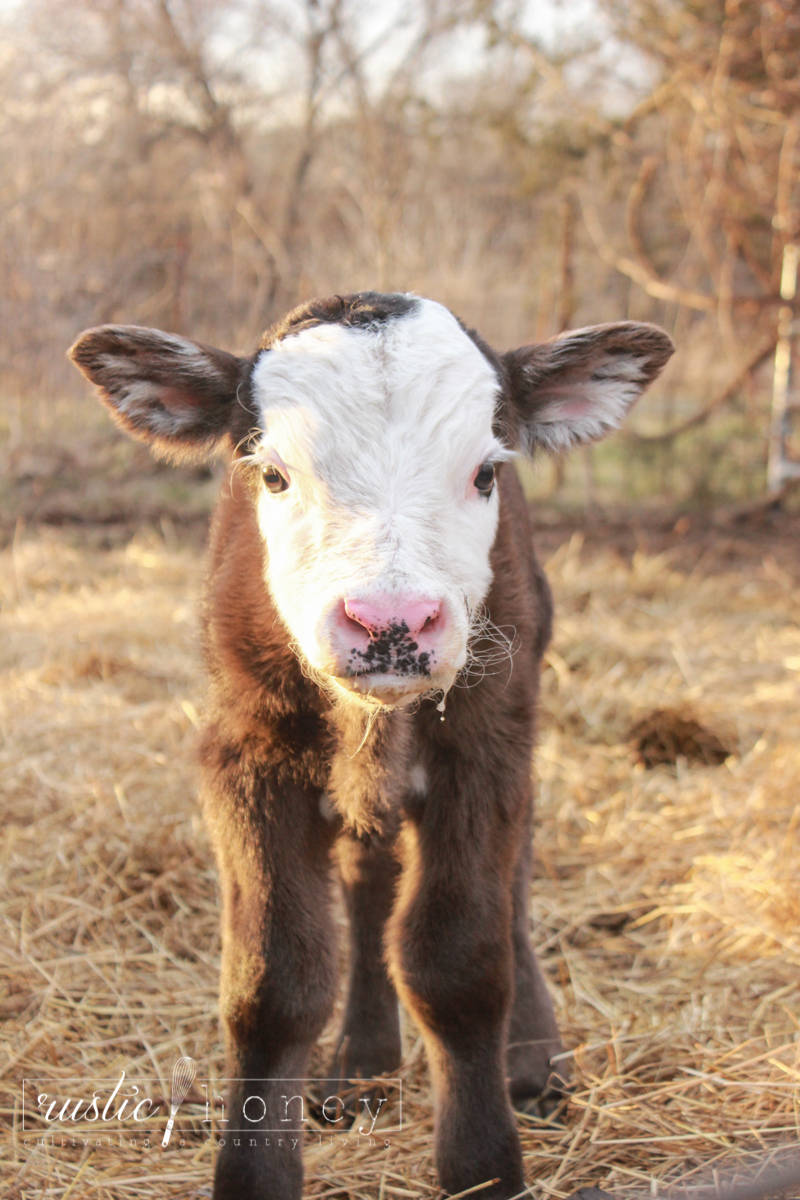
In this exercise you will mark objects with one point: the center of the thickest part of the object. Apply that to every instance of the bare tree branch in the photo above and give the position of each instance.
(646, 279)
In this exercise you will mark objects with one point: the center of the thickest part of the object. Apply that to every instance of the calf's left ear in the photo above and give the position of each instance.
(178, 396)
(579, 386)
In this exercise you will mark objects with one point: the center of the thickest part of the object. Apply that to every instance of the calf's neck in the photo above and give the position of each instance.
(374, 623)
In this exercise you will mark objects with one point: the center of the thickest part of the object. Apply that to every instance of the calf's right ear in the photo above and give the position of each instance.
(178, 396)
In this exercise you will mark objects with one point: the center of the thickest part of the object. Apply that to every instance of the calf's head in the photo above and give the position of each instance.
(372, 428)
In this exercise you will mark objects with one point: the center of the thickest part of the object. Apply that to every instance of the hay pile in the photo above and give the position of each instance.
(667, 905)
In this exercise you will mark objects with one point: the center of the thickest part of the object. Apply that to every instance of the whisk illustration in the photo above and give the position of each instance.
(183, 1074)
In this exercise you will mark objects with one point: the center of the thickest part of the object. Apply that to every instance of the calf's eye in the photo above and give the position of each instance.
(484, 480)
(273, 480)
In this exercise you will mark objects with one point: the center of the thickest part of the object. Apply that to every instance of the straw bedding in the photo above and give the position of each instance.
(667, 898)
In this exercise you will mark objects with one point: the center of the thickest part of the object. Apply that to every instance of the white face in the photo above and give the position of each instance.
(378, 549)
(377, 452)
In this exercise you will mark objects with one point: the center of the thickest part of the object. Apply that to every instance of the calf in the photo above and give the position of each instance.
(375, 619)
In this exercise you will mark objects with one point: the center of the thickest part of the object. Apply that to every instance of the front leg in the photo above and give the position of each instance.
(278, 973)
(450, 953)
(533, 1039)
(369, 1043)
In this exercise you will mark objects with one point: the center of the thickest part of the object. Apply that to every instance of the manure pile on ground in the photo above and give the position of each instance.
(667, 902)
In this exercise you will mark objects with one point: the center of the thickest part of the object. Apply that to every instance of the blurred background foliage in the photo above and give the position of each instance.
(203, 165)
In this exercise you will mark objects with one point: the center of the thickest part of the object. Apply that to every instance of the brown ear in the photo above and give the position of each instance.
(177, 395)
(579, 386)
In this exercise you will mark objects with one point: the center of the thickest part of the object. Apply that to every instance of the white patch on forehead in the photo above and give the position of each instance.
(413, 384)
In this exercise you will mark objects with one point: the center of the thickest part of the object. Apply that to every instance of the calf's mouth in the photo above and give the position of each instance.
(392, 651)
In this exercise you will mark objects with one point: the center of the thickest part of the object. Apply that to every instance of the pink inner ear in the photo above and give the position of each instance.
(172, 397)
(574, 408)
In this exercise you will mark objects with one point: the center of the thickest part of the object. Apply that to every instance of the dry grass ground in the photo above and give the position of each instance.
(667, 902)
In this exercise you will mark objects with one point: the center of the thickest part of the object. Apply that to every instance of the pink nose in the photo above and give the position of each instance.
(384, 612)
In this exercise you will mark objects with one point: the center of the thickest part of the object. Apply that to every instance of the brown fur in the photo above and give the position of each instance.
(456, 941)
(436, 886)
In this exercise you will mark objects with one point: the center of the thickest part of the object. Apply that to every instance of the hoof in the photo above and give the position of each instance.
(546, 1107)
(591, 1193)
(351, 1100)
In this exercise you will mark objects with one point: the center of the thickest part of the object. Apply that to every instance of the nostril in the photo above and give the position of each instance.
(386, 614)
(357, 629)
(423, 617)
(358, 618)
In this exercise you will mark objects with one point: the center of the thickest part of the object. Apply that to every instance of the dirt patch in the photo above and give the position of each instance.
(666, 735)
